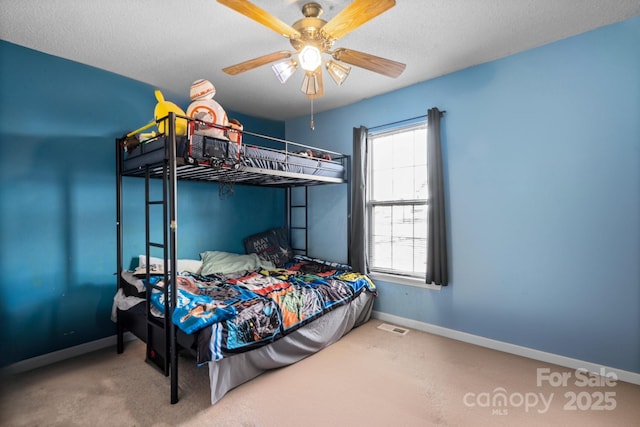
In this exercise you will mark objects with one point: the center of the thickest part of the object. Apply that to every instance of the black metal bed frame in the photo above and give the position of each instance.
(161, 335)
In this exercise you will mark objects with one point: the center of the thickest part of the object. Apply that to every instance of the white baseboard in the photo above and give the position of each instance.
(627, 376)
(60, 355)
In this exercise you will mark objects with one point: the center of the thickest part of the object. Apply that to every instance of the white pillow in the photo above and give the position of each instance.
(190, 265)
(142, 261)
(218, 262)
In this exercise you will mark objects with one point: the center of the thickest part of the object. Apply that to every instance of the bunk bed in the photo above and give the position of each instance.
(164, 301)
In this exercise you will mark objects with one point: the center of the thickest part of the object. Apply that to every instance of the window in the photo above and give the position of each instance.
(397, 201)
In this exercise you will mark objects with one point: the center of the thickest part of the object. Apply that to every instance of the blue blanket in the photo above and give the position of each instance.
(249, 309)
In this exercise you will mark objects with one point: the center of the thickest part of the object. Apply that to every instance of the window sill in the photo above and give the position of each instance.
(402, 280)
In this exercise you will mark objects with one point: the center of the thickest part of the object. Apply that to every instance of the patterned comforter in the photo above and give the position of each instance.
(249, 309)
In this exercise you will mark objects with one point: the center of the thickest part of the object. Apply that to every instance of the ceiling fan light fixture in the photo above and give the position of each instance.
(312, 37)
(338, 72)
(310, 84)
(285, 69)
(310, 58)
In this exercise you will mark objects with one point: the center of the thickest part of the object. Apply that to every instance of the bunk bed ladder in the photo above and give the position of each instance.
(163, 332)
(297, 219)
(157, 330)
(160, 334)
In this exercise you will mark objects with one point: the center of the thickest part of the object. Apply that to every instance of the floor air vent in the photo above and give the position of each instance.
(393, 329)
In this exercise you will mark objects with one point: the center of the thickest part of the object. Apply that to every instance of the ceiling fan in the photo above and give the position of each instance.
(311, 37)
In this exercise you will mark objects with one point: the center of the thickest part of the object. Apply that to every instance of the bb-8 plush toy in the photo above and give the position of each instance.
(204, 108)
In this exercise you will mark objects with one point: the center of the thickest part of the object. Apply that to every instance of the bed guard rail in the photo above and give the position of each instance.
(249, 157)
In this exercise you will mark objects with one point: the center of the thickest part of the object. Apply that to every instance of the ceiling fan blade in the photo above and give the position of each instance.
(252, 11)
(354, 15)
(369, 62)
(320, 91)
(256, 62)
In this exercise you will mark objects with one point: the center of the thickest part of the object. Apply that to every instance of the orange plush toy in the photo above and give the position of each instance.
(208, 111)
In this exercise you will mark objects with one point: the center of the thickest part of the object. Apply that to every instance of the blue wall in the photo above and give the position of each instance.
(542, 168)
(58, 124)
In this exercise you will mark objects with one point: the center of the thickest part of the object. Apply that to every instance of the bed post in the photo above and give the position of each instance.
(119, 326)
(287, 210)
(349, 218)
(173, 223)
(306, 220)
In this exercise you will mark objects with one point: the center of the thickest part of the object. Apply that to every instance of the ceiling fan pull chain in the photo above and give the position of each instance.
(312, 125)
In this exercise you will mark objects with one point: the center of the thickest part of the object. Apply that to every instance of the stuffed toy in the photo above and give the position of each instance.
(235, 131)
(204, 109)
(163, 108)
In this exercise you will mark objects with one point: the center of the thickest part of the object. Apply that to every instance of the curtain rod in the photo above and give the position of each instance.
(403, 121)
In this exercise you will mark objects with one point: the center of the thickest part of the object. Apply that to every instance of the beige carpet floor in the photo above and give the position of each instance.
(369, 378)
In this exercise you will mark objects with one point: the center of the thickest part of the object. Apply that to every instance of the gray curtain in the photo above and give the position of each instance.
(436, 224)
(358, 240)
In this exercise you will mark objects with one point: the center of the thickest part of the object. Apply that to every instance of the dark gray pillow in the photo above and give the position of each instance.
(271, 245)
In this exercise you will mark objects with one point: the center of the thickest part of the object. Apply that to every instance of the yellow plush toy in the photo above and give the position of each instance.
(163, 108)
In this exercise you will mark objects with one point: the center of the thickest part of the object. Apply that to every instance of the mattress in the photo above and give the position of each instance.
(226, 152)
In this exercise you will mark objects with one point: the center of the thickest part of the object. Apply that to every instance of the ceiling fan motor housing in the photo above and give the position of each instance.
(309, 27)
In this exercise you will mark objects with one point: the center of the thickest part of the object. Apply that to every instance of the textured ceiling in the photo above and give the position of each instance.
(169, 43)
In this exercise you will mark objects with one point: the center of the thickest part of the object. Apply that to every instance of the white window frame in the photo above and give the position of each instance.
(389, 275)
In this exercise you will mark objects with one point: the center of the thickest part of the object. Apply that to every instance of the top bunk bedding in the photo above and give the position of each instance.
(203, 158)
